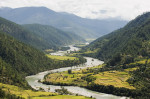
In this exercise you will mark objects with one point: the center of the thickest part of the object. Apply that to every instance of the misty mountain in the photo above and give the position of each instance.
(87, 28)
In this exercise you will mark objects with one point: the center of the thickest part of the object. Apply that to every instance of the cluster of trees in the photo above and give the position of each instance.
(114, 90)
(63, 91)
(141, 80)
(120, 60)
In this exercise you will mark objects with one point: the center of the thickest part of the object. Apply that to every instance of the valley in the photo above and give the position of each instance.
(48, 54)
(91, 63)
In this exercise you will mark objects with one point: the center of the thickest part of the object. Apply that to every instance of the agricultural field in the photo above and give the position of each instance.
(90, 40)
(36, 94)
(49, 50)
(62, 97)
(80, 45)
(85, 77)
(115, 78)
(62, 57)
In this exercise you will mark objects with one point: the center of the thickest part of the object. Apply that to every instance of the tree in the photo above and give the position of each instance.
(69, 71)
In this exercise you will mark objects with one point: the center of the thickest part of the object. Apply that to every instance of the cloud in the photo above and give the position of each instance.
(125, 9)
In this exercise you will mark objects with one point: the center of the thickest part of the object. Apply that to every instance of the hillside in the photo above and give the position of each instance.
(18, 32)
(52, 35)
(131, 40)
(86, 28)
(19, 60)
(125, 48)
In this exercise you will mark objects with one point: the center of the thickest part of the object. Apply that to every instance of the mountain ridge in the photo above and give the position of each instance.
(87, 28)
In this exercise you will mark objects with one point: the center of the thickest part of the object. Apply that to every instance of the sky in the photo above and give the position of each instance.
(94, 9)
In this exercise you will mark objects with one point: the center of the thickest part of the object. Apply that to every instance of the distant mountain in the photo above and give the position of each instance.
(132, 40)
(86, 28)
(52, 35)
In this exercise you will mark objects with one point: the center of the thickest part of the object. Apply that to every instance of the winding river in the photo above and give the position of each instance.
(33, 80)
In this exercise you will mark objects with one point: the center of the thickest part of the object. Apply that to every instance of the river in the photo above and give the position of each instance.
(33, 79)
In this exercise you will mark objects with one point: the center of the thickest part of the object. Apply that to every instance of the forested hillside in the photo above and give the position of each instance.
(130, 40)
(127, 47)
(53, 36)
(19, 60)
(23, 35)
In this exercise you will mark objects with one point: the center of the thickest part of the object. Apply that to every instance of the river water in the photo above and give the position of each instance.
(33, 79)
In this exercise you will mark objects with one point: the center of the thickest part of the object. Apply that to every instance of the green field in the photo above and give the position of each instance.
(62, 97)
(29, 94)
(90, 40)
(49, 50)
(85, 77)
(80, 45)
(61, 57)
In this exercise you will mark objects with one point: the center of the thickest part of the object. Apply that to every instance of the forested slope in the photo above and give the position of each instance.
(40, 36)
(53, 36)
(18, 60)
(23, 35)
(130, 40)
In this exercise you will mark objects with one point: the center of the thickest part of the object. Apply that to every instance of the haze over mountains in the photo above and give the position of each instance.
(87, 28)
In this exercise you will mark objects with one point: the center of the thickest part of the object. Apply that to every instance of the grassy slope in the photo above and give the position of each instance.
(36, 94)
